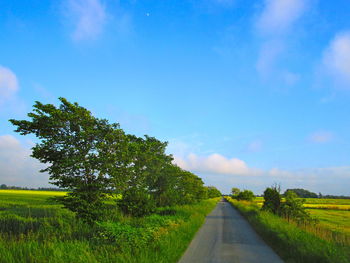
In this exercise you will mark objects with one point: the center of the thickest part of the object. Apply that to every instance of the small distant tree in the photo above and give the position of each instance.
(3, 186)
(272, 199)
(235, 191)
(245, 195)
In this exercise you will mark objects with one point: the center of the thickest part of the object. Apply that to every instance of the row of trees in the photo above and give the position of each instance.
(97, 161)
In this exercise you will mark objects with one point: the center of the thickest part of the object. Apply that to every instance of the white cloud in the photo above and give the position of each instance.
(214, 163)
(87, 16)
(226, 173)
(321, 137)
(336, 58)
(279, 15)
(8, 83)
(17, 167)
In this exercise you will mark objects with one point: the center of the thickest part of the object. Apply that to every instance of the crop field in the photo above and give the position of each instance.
(33, 228)
(332, 214)
(334, 220)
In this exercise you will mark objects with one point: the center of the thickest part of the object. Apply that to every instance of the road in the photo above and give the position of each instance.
(227, 237)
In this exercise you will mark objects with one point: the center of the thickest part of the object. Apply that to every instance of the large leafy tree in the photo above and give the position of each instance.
(83, 153)
(147, 174)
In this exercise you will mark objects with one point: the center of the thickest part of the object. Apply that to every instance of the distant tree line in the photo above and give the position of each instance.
(302, 193)
(98, 161)
(8, 187)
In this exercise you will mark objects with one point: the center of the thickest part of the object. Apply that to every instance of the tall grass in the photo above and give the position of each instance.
(34, 229)
(293, 243)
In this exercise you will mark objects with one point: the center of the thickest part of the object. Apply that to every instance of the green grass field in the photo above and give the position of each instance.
(33, 228)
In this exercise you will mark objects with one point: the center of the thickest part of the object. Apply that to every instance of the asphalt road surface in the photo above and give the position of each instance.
(227, 237)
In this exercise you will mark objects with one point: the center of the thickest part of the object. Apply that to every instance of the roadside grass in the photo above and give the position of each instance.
(295, 243)
(35, 229)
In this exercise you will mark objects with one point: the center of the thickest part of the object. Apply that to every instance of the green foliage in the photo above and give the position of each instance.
(136, 202)
(302, 193)
(245, 195)
(79, 150)
(235, 191)
(96, 159)
(212, 192)
(272, 200)
(293, 209)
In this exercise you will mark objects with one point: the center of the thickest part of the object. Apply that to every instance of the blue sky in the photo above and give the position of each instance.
(247, 93)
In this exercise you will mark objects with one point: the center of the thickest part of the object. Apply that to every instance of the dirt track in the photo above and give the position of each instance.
(227, 237)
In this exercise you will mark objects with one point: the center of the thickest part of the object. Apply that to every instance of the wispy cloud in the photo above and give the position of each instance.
(87, 17)
(321, 137)
(8, 84)
(268, 57)
(274, 24)
(336, 59)
(279, 15)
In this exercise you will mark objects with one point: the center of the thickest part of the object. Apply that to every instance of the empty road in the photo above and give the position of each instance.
(227, 237)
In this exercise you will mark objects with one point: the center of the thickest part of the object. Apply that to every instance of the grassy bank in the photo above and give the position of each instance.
(35, 229)
(293, 243)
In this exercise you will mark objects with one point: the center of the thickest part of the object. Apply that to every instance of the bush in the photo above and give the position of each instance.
(246, 195)
(272, 200)
(293, 208)
(137, 203)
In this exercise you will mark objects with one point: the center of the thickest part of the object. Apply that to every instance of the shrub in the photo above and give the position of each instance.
(293, 208)
(272, 200)
(137, 203)
(246, 195)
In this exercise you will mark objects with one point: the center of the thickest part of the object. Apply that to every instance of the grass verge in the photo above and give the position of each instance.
(34, 229)
(291, 242)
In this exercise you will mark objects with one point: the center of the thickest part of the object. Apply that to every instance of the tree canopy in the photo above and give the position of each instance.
(302, 193)
(96, 160)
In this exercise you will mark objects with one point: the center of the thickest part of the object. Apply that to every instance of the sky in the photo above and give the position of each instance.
(247, 93)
